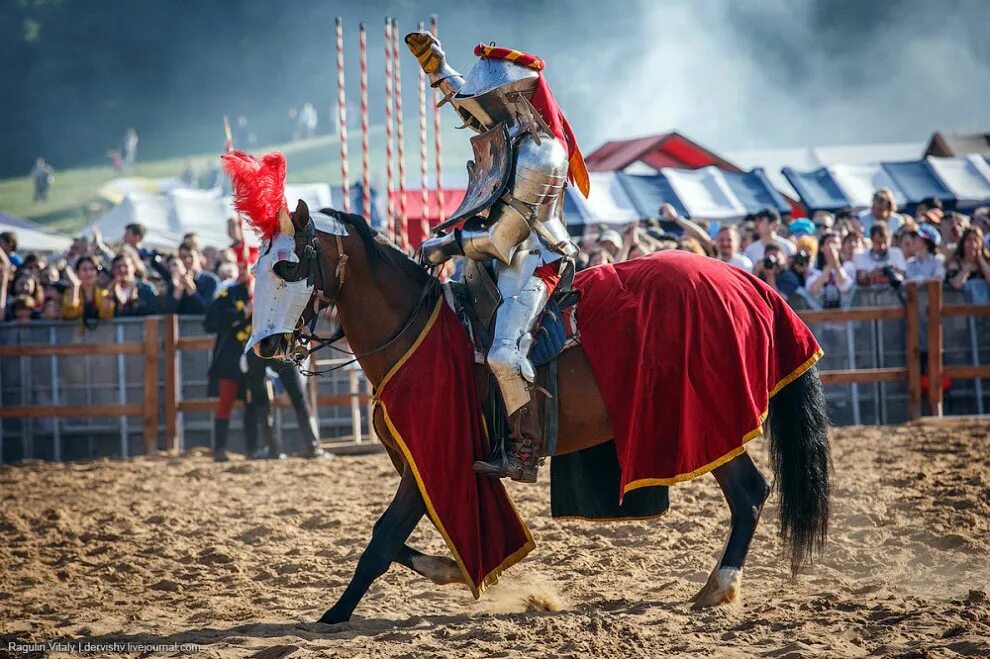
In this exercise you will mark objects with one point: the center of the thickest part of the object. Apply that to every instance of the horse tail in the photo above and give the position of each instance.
(797, 424)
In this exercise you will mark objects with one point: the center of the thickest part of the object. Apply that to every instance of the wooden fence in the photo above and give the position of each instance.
(148, 409)
(174, 404)
(172, 345)
(910, 312)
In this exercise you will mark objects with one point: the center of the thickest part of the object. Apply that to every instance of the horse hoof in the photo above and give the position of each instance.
(333, 617)
(723, 587)
(438, 569)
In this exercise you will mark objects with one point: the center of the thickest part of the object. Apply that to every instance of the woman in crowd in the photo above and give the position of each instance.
(85, 299)
(131, 296)
(953, 226)
(852, 244)
(970, 264)
(26, 287)
(22, 310)
(235, 375)
(831, 279)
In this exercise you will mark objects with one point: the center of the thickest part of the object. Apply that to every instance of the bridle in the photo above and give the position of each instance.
(310, 266)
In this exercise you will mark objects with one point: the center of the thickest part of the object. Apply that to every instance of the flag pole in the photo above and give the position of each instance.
(424, 198)
(342, 119)
(399, 136)
(365, 156)
(389, 207)
(436, 137)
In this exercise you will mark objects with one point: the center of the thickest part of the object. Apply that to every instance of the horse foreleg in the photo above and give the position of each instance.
(438, 569)
(387, 540)
(745, 491)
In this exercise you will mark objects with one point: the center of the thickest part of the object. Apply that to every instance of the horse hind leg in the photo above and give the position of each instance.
(438, 569)
(745, 491)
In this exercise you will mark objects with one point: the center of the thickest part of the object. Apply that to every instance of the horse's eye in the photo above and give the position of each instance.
(287, 270)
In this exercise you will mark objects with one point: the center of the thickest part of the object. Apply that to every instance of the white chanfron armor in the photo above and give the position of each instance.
(522, 228)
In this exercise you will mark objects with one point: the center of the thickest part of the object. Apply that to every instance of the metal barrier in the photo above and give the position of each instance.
(859, 334)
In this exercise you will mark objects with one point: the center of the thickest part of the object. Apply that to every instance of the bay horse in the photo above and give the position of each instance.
(379, 294)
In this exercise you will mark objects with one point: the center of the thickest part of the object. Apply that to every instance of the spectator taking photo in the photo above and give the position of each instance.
(831, 279)
(772, 265)
(767, 223)
(882, 264)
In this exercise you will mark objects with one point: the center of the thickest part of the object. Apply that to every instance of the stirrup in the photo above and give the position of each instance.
(501, 467)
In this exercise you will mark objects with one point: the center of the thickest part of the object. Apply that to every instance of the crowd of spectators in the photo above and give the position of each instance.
(93, 281)
(823, 259)
(820, 260)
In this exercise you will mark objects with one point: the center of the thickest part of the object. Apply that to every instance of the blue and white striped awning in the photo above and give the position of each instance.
(958, 182)
(708, 193)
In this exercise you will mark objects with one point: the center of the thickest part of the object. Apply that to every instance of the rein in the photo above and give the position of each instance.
(313, 253)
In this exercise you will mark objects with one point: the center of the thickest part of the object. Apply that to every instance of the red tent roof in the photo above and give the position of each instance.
(666, 150)
(414, 210)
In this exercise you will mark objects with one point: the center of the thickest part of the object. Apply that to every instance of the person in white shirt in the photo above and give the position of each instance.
(872, 265)
(767, 224)
(883, 209)
(830, 279)
(925, 262)
(727, 244)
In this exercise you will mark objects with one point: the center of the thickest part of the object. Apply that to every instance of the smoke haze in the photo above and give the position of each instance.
(754, 74)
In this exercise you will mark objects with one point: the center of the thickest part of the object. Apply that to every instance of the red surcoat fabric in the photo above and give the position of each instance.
(431, 406)
(687, 352)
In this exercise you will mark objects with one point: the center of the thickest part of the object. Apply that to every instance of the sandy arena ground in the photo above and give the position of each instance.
(241, 558)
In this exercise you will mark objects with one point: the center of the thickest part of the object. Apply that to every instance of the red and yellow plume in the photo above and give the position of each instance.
(259, 188)
(514, 56)
(547, 106)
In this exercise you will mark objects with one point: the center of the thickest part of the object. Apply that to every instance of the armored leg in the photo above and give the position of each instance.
(523, 298)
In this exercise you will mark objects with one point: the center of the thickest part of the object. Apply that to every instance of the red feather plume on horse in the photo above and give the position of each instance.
(259, 188)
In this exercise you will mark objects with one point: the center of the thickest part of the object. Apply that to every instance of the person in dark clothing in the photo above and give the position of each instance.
(235, 375)
(42, 175)
(131, 296)
(295, 387)
(190, 289)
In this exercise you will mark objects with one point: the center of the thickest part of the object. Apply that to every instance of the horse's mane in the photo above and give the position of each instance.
(380, 250)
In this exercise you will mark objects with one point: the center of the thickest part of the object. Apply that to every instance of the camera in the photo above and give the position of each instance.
(894, 278)
(770, 262)
(803, 257)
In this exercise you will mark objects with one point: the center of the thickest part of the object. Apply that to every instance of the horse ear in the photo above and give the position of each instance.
(300, 218)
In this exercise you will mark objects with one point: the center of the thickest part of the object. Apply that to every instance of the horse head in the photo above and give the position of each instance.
(292, 277)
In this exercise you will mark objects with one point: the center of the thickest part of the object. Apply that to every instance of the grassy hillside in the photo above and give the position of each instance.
(73, 201)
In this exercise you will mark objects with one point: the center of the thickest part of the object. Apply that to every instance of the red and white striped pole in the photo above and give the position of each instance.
(436, 136)
(228, 138)
(389, 208)
(400, 139)
(365, 156)
(424, 194)
(228, 146)
(342, 118)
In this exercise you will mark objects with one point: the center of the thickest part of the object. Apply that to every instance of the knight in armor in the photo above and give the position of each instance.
(512, 216)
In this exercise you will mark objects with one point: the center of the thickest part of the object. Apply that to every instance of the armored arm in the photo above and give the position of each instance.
(443, 76)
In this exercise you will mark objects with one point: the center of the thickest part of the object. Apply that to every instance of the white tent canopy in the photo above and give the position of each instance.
(167, 217)
(705, 193)
(36, 240)
(967, 178)
(860, 182)
(607, 203)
